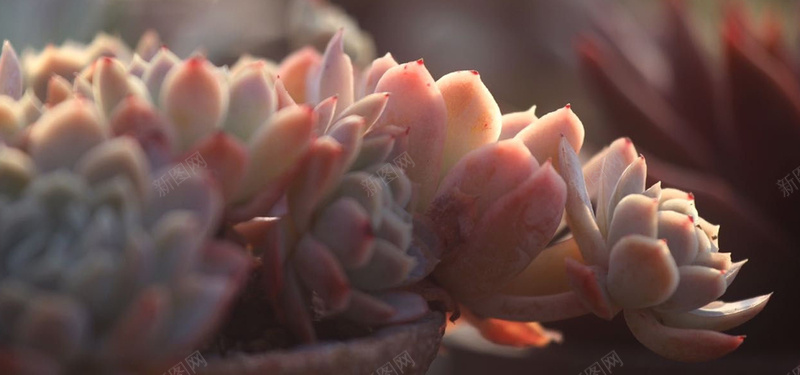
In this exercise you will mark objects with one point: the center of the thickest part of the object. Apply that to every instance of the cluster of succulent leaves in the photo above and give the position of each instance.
(115, 187)
(99, 273)
(137, 189)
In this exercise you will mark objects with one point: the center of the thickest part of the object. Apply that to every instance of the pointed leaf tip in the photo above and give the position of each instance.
(334, 76)
(10, 73)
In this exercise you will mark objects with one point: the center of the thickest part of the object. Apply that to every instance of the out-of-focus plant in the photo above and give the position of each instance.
(98, 273)
(314, 22)
(731, 123)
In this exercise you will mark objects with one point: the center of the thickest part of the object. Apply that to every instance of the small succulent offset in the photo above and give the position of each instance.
(649, 253)
(119, 272)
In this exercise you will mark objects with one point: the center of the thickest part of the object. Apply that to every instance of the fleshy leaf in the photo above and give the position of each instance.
(417, 105)
(193, 99)
(276, 147)
(334, 75)
(542, 137)
(641, 272)
(64, 134)
(295, 68)
(515, 122)
(473, 117)
(252, 102)
(697, 286)
(684, 345)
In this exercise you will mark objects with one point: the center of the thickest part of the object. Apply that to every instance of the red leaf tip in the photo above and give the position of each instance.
(195, 62)
(308, 109)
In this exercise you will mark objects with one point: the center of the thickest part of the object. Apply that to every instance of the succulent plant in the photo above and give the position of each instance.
(256, 141)
(348, 185)
(434, 125)
(479, 191)
(97, 272)
(346, 234)
(713, 121)
(649, 253)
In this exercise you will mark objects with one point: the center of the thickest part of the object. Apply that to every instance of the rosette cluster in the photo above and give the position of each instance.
(97, 271)
(122, 170)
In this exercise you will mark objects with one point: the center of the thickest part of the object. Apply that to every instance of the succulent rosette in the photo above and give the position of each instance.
(478, 183)
(99, 273)
(346, 233)
(449, 127)
(347, 244)
(650, 254)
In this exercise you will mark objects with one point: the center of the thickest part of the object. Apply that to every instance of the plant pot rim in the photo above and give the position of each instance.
(419, 339)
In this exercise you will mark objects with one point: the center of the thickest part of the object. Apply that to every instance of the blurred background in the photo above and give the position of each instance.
(708, 90)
